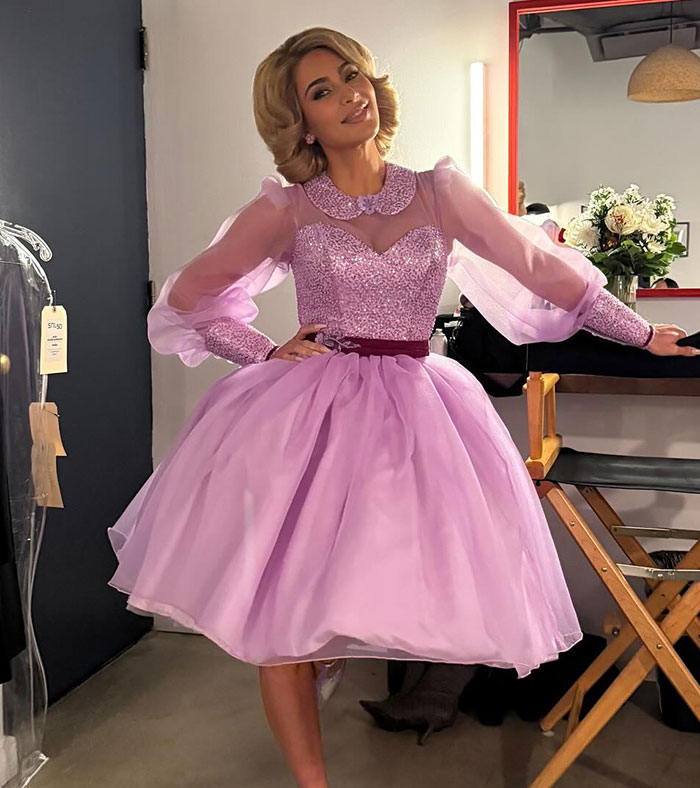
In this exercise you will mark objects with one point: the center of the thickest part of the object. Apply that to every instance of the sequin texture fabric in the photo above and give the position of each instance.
(235, 340)
(358, 292)
(611, 319)
(396, 193)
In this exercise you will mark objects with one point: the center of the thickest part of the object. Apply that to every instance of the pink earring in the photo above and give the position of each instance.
(309, 138)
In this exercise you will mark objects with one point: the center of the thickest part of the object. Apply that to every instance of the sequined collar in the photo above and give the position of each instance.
(396, 193)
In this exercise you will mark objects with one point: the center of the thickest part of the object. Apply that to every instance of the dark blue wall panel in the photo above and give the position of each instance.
(72, 167)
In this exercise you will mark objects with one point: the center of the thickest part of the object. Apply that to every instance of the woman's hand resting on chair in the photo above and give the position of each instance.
(663, 343)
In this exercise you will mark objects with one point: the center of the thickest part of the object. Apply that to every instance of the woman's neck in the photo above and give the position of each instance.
(357, 172)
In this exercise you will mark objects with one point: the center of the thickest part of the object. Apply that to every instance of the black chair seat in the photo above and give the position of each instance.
(632, 473)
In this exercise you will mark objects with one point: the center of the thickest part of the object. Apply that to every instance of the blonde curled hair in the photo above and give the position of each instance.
(278, 114)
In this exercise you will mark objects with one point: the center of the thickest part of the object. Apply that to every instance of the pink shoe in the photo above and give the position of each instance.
(327, 679)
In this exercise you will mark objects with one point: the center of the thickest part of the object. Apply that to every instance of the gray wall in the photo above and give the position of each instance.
(72, 167)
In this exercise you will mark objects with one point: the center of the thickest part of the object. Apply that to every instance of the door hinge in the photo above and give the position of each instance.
(143, 49)
(151, 293)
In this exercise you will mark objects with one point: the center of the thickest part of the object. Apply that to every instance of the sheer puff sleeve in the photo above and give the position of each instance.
(205, 307)
(529, 288)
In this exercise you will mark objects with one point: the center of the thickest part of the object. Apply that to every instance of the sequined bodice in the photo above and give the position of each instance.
(388, 291)
(340, 281)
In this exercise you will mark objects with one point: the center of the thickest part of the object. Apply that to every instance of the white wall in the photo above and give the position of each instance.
(578, 130)
(204, 160)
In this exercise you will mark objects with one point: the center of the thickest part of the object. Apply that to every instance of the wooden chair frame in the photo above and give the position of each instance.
(657, 622)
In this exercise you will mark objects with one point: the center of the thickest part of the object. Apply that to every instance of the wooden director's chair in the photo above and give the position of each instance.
(657, 622)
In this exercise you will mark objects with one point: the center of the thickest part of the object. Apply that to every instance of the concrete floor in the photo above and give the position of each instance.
(176, 712)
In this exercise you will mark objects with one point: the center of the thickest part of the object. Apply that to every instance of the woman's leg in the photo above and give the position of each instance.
(289, 700)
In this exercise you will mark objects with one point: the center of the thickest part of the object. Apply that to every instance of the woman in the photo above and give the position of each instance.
(346, 494)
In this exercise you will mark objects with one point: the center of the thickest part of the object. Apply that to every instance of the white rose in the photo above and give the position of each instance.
(572, 232)
(622, 220)
(653, 225)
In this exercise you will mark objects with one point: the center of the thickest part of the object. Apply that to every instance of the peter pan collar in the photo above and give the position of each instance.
(396, 193)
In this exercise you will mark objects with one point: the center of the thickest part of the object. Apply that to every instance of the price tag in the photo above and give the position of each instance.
(53, 356)
(46, 446)
(43, 422)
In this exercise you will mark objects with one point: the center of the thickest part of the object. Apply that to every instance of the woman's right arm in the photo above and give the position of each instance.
(206, 306)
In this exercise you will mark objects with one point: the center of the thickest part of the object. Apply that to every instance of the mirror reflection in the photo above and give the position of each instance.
(593, 115)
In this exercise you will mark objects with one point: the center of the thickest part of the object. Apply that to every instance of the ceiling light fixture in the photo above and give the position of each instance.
(670, 73)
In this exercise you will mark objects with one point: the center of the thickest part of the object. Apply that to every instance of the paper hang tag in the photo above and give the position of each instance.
(44, 476)
(53, 356)
(46, 446)
(43, 423)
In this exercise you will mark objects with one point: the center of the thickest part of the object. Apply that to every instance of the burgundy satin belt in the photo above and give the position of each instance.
(365, 346)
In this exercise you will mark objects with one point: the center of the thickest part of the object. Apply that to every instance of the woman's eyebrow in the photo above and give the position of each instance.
(324, 79)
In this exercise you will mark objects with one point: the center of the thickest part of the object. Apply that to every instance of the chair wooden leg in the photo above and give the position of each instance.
(630, 545)
(575, 711)
(660, 599)
(673, 626)
(634, 610)
(542, 488)
(632, 675)
(609, 517)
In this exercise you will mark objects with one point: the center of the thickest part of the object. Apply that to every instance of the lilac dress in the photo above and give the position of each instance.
(348, 505)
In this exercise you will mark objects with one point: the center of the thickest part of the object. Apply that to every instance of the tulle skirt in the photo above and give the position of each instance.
(348, 506)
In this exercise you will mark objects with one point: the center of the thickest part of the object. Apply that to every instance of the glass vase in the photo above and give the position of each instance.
(624, 286)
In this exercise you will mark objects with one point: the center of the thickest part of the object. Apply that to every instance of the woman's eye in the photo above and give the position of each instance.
(320, 93)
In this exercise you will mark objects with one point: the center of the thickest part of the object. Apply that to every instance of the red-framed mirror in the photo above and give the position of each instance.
(521, 16)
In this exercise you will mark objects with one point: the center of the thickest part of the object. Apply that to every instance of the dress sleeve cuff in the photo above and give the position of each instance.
(609, 318)
(237, 341)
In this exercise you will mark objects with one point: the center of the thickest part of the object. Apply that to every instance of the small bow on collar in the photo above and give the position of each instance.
(367, 203)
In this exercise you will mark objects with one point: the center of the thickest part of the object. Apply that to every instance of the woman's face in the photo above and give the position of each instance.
(331, 91)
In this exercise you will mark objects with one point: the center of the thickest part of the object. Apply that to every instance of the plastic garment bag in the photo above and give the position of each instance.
(24, 291)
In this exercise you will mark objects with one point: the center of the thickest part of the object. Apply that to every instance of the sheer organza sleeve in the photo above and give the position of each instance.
(529, 288)
(205, 307)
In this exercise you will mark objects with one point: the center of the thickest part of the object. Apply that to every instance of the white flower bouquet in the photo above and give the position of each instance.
(626, 234)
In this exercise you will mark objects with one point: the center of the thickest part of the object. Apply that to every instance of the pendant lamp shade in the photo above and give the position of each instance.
(670, 73)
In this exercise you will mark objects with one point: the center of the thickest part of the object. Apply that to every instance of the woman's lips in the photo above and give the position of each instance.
(360, 117)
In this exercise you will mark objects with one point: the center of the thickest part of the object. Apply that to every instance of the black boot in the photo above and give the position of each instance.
(430, 705)
(489, 694)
